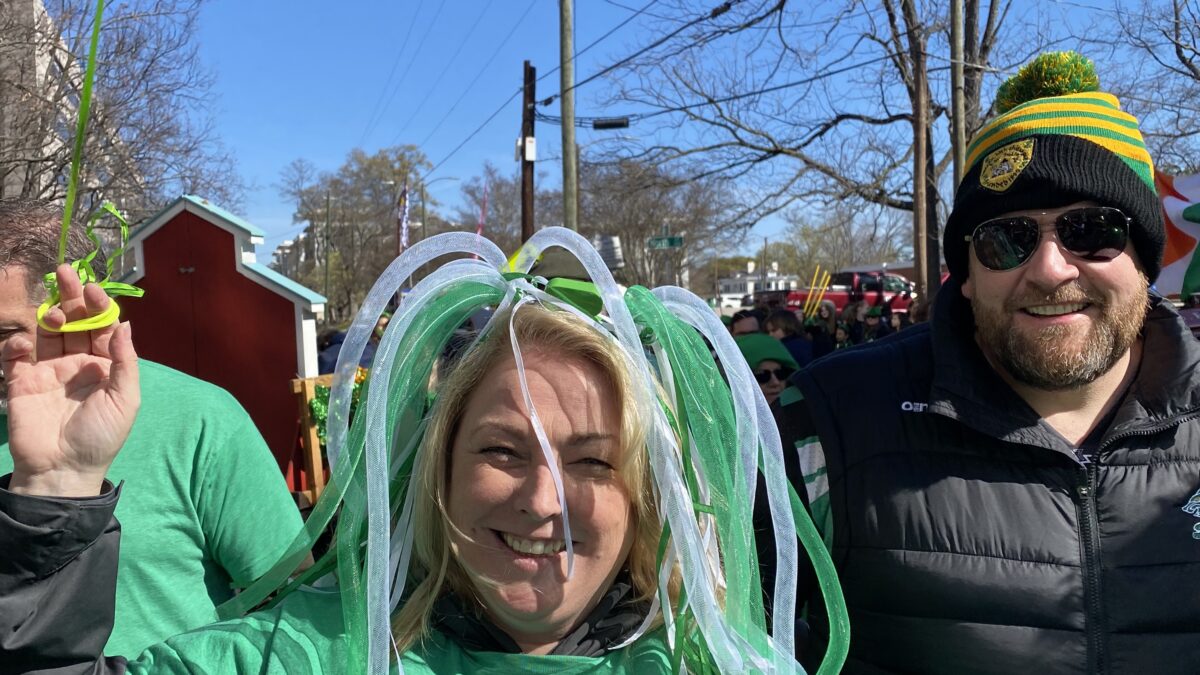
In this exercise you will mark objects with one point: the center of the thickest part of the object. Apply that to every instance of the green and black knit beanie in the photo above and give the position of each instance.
(1057, 140)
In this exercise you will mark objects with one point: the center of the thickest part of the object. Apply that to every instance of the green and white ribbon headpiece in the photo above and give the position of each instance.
(707, 443)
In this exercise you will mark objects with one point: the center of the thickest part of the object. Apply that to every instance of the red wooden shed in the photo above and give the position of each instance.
(213, 311)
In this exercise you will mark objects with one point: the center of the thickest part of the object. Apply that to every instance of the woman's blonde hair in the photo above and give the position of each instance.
(435, 569)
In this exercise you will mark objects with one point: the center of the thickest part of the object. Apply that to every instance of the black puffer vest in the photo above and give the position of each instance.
(970, 539)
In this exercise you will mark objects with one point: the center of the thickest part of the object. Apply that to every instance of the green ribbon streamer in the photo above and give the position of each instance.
(85, 104)
(84, 267)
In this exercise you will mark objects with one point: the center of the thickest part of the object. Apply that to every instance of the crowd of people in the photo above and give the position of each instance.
(762, 332)
(598, 481)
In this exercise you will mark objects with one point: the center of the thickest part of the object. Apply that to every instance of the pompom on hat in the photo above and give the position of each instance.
(1057, 139)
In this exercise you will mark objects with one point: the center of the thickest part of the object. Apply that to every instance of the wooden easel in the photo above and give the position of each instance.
(314, 467)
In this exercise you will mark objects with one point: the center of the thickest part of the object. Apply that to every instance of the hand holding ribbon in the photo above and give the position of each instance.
(72, 399)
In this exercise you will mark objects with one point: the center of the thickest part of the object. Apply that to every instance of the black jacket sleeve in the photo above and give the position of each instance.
(58, 580)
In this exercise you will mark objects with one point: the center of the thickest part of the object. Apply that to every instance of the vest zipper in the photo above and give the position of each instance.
(1150, 431)
(1089, 544)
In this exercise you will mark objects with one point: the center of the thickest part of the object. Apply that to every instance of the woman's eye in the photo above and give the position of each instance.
(596, 463)
(498, 451)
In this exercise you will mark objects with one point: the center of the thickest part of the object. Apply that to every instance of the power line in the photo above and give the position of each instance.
(479, 128)
(1092, 8)
(400, 81)
(637, 117)
(478, 75)
(1162, 104)
(521, 89)
(600, 39)
(628, 8)
(395, 64)
(441, 76)
(717, 11)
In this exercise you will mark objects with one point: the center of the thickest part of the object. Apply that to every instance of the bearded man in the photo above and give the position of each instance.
(1017, 490)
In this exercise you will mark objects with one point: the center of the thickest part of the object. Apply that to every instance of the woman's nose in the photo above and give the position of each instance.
(538, 494)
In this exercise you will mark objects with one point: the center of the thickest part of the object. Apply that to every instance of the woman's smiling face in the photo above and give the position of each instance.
(504, 504)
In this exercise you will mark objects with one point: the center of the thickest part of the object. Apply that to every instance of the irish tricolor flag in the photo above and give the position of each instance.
(1181, 210)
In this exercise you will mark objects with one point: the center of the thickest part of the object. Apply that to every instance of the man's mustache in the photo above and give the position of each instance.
(1067, 294)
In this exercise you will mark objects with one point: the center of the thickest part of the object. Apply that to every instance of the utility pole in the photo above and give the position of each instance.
(328, 250)
(566, 56)
(957, 92)
(920, 133)
(424, 197)
(762, 274)
(527, 152)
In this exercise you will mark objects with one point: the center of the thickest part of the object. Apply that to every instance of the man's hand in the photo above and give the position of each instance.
(71, 403)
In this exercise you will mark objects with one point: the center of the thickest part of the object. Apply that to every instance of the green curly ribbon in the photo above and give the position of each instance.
(84, 267)
(87, 275)
(85, 104)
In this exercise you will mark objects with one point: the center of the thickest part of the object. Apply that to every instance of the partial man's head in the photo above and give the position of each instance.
(1056, 231)
(783, 323)
(744, 322)
(29, 232)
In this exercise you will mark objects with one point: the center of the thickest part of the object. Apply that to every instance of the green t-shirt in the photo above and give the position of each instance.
(303, 635)
(204, 503)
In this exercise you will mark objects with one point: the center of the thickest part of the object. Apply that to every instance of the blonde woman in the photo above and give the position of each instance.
(525, 504)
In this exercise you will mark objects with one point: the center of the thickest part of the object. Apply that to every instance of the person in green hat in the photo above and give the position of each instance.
(1018, 489)
(770, 361)
(875, 327)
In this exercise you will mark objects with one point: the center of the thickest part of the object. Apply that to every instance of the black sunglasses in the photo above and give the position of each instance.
(1096, 233)
(781, 374)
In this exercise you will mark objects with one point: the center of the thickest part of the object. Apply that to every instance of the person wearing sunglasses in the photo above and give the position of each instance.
(1018, 489)
(770, 361)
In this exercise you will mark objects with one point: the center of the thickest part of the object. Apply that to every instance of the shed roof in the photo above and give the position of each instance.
(193, 203)
(245, 235)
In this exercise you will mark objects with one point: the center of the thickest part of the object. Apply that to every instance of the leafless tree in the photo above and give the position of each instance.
(638, 201)
(1155, 71)
(502, 219)
(814, 102)
(150, 136)
(351, 215)
(843, 236)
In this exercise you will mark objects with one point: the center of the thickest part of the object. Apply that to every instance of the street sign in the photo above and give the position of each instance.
(657, 243)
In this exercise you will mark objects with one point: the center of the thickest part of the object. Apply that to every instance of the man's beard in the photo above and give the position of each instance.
(1053, 358)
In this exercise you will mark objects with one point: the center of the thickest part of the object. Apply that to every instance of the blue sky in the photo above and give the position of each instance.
(302, 79)
(314, 80)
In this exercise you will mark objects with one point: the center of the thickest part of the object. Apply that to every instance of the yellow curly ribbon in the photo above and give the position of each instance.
(87, 275)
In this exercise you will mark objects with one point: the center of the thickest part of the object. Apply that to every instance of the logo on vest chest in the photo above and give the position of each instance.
(913, 406)
(1192, 508)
